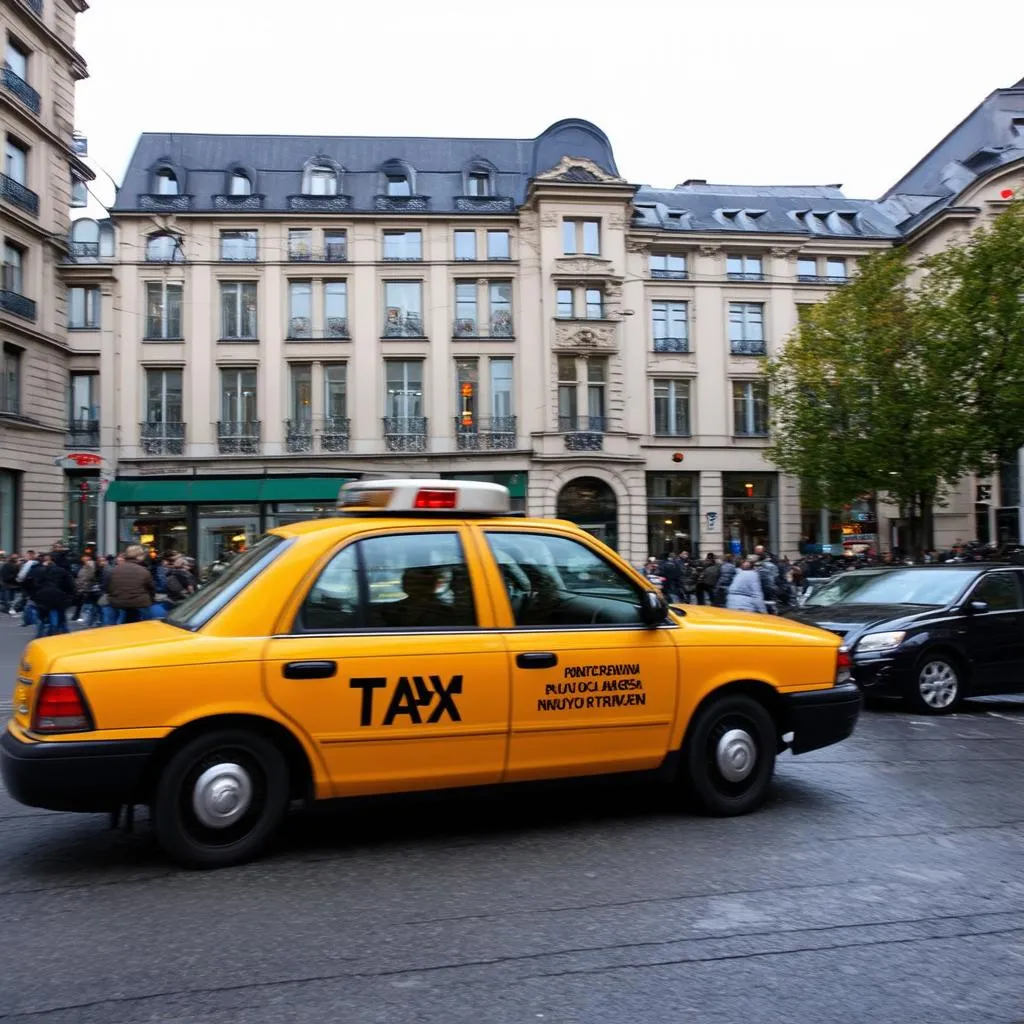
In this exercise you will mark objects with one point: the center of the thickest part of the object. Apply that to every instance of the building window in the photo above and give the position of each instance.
(163, 311)
(594, 304)
(465, 309)
(240, 184)
(669, 326)
(302, 393)
(336, 246)
(467, 394)
(581, 385)
(13, 268)
(79, 193)
(744, 268)
(84, 410)
(564, 304)
(16, 161)
(835, 269)
(335, 309)
(746, 328)
(672, 408)
(166, 183)
(164, 248)
(83, 308)
(10, 380)
(163, 397)
(403, 245)
(499, 294)
(300, 309)
(320, 181)
(238, 310)
(16, 59)
(403, 309)
(239, 245)
(238, 396)
(479, 184)
(668, 266)
(501, 387)
(404, 388)
(807, 269)
(397, 185)
(498, 245)
(750, 408)
(300, 244)
(335, 391)
(465, 245)
(581, 237)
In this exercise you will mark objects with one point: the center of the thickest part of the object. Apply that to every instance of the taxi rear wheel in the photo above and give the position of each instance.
(730, 755)
(220, 798)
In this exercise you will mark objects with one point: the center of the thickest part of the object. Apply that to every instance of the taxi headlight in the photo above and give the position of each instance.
(875, 642)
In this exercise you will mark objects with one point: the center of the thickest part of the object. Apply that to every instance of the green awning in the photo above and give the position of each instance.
(225, 490)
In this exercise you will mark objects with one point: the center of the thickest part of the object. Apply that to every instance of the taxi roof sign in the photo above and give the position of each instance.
(406, 497)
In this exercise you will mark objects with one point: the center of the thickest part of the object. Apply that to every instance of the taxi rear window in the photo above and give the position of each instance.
(195, 611)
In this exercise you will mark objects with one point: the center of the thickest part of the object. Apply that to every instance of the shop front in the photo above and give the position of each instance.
(1008, 512)
(81, 509)
(8, 510)
(852, 529)
(591, 504)
(673, 513)
(750, 511)
(515, 482)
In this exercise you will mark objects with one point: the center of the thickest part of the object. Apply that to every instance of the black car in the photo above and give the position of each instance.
(931, 634)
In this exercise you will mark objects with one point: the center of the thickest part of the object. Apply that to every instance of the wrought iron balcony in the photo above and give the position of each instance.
(167, 438)
(83, 434)
(820, 279)
(14, 192)
(680, 345)
(238, 437)
(335, 329)
(83, 252)
(670, 275)
(401, 204)
(334, 434)
(582, 433)
(405, 433)
(485, 204)
(17, 85)
(253, 201)
(735, 275)
(299, 436)
(499, 326)
(497, 433)
(164, 204)
(402, 325)
(747, 348)
(19, 305)
(332, 252)
(320, 204)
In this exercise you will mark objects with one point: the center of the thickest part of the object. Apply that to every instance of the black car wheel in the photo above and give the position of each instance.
(729, 756)
(936, 687)
(220, 798)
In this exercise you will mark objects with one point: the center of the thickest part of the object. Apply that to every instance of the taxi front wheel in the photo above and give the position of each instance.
(729, 757)
(220, 798)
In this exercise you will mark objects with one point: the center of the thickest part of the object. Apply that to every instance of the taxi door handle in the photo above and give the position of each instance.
(310, 670)
(537, 659)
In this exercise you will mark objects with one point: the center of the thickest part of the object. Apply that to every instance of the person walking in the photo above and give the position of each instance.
(130, 588)
(745, 593)
(53, 591)
(87, 592)
(9, 583)
(726, 574)
(708, 579)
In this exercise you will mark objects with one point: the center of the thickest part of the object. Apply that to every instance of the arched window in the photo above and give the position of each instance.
(240, 184)
(164, 248)
(167, 183)
(85, 240)
(320, 178)
(107, 250)
(399, 179)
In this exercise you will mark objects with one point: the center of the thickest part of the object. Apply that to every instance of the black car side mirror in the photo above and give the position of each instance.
(977, 608)
(653, 609)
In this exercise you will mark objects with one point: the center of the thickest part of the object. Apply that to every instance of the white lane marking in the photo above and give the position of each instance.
(1005, 718)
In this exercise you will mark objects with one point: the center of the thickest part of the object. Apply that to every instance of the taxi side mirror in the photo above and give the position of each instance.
(653, 609)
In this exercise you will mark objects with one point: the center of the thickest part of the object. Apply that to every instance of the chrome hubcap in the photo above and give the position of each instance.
(221, 795)
(938, 684)
(736, 755)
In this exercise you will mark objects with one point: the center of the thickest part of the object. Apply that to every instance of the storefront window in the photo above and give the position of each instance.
(164, 527)
(673, 513)
(285, 512)
(224, 532)
(750, 511)
(81, 503)
(8, 511)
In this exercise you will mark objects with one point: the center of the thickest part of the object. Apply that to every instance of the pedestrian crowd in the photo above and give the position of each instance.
(49, 589)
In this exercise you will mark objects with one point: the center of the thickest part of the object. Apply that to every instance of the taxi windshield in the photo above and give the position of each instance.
(200, 607)
(892, 586)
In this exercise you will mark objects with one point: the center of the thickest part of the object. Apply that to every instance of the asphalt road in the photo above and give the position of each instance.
(884, 882)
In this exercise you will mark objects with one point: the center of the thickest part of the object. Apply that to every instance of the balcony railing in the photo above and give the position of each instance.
(166, 438)
(747, 348)
(163, 204)
(83, 252)
(820, 279)
(335, 329)
(9, 404)
(321, 204)
(485, 204)
(499, 326)
(253, 201)
(497, 433)
(402, 325)
(14, 192)
(332, 252)
(83, 434)
(19, 305)
(17, 85)
(334, 434)
(670, 275)
(298, 436)
(405, 433)
(679, 345)
(238, 437)
(752, 275)
(401, 204)
(582, 433)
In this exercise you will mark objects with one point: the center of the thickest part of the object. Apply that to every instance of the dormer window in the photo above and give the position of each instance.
(240, 184)
(321, 181)
(167, 183)
(398, 185)
(479, 184)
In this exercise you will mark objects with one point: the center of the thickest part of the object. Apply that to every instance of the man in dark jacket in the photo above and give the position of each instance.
(130, 588)
(9, 583)
(53, 591)
(726, 572)
(708, 580)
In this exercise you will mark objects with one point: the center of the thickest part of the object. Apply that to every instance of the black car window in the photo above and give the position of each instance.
(1000, 590)
(924, 586)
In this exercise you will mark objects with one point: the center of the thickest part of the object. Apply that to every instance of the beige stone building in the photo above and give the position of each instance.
(295, 311)
(42, 176)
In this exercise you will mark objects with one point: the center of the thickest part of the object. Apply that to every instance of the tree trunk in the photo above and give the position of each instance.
(927, 505)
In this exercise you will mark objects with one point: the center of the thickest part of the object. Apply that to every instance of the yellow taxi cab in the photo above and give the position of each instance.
(424, 639)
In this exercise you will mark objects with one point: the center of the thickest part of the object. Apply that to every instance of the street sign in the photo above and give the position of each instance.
(79, 460)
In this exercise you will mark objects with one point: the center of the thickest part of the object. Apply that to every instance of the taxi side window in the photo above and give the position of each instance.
(1000, 590)
(557, 582)
(403, 581)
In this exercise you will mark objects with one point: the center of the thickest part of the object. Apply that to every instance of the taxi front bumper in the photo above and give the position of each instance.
(76, 775)
(819, 718)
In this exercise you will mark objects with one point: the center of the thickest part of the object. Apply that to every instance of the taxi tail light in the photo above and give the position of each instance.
(61, 706)
(844, 665)
(436, 499)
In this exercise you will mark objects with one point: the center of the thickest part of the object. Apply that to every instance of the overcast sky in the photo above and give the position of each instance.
(737, 91)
